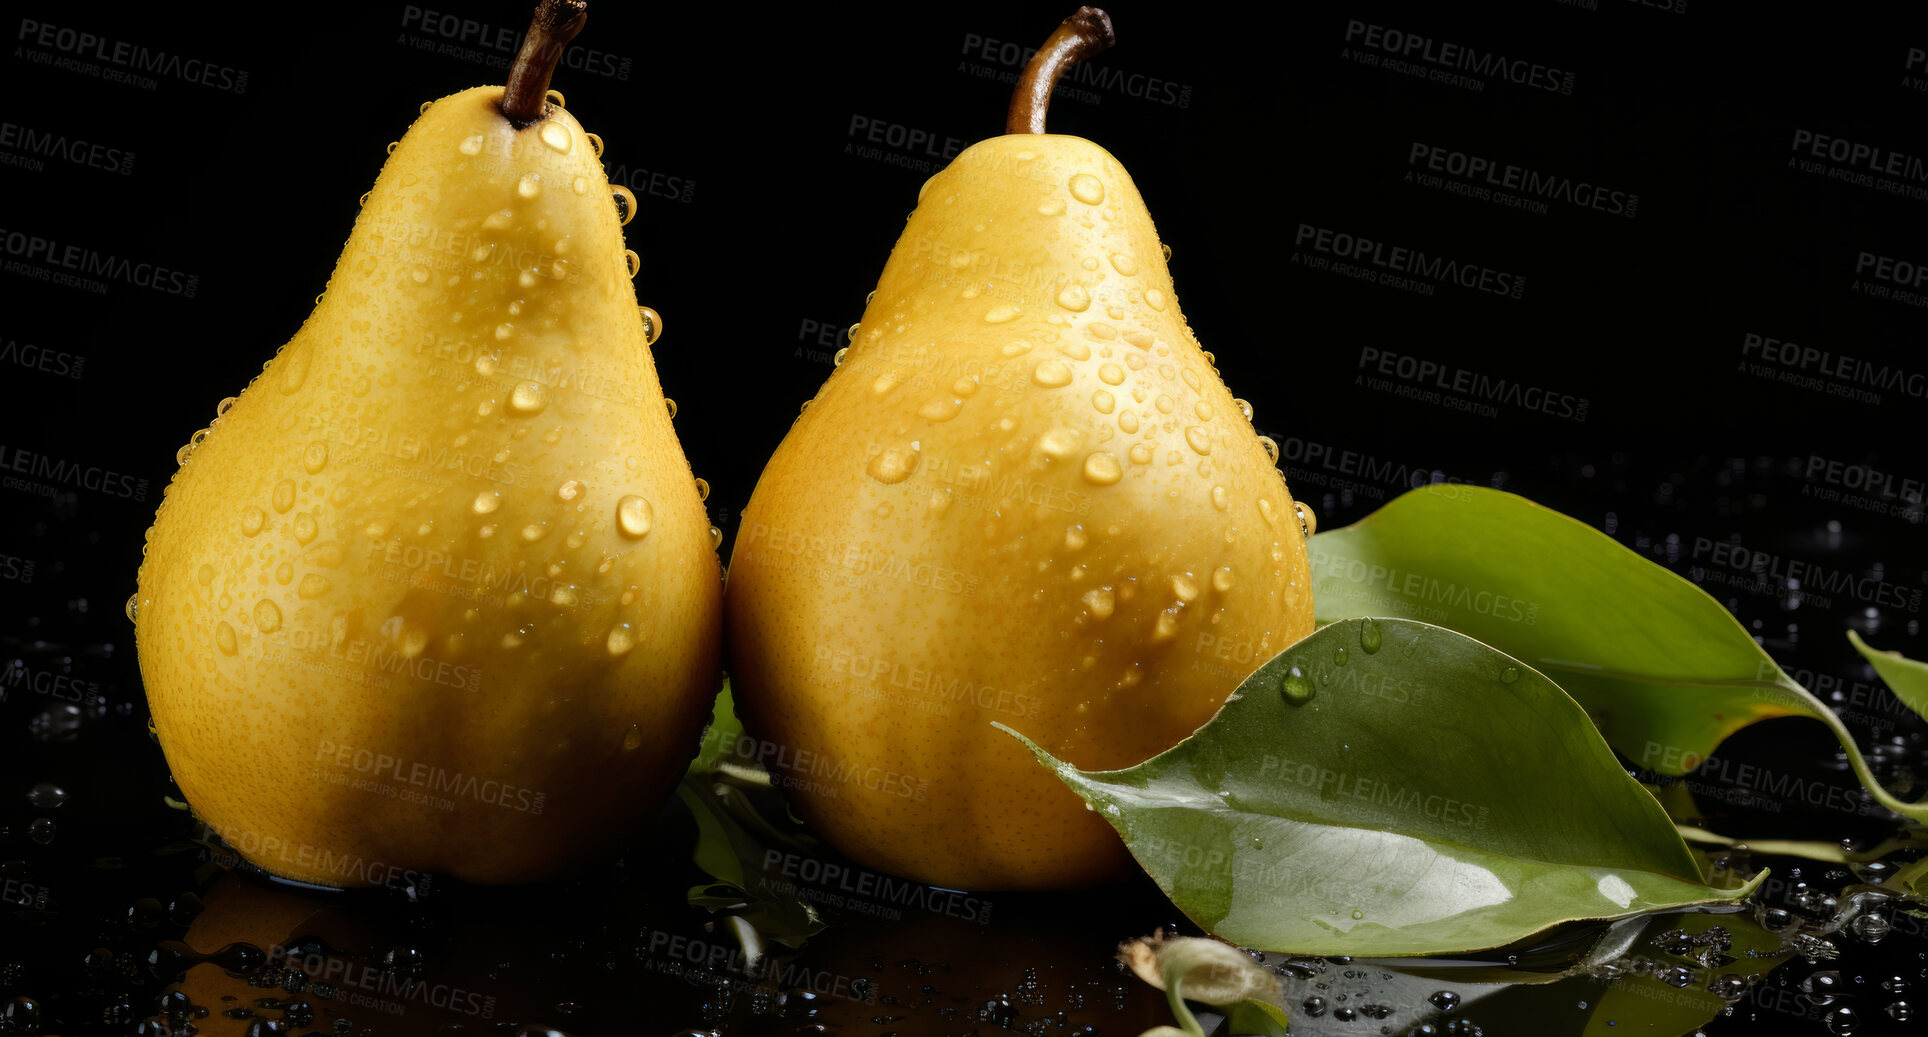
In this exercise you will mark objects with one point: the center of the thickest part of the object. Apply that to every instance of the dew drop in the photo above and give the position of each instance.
(1102, 401)
(133, 605)
(470, 145)
(1140, 452)
(224, 638)
(1199, 439)
(557, 136)
(1100, 602)
(267, 616)
(305, 529)
(528, 398)
(702, 490)
(283, 497)
(1308, 522)
(1222, 579)
(634, 516)
(1340, 656)
(1154, 298)
(633, 738)
(569, 490)
(315, 457)
(1101, 468)
(1271, 449)
(716, 538)
(837, 358)
(1185, 587)
(625, 204)
(632, 262)
(652, 325)
(533, 532)
(1001, 314)
(1201, 408)
(670, 405)
(1128, 422)
(892, 465)
(1297, 687)
(486, 502)
(252, 519)
(1087, 189)
(1370, 636)
(1075, 538)
(1059, 443)
(1243, 408)
(1052, 373)
(1111, 374)
(1075, 298)
(1124, 264)
(580, 185)
(595, 143)
(313, 585)
(1075, 349)
(1015, 347)
(531, 185)
(1509, 675)
(941, 408)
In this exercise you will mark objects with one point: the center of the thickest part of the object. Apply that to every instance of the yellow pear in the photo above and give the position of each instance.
(1024, 496)
(437, 591)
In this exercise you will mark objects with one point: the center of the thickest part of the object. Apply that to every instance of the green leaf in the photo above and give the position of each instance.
(1258, 1017)
(1905, 677)
(1427, 794)
(1662, 667)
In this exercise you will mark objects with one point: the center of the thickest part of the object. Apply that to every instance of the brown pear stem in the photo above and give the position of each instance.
(556, 22)
(1083, 35)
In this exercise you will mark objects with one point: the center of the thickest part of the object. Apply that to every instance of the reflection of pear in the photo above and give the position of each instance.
(437, 592)
(1025, 496)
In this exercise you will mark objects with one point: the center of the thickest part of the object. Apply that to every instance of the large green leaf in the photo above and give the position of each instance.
(1662, 667)
(1387, 787)
(1905, 677)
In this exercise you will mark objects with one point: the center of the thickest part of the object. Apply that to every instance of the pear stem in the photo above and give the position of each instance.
(1085, 34)
(556, 22)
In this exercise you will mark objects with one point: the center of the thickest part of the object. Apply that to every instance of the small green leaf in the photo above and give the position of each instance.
(1662, 667)
(1258, 1017)
(1387, 787)
(1905, 677)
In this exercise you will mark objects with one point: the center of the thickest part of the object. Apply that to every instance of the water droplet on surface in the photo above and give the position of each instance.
(1444, 1000)
(1296, 687)
(1154, 298)
(1509, 675)
(1271, 448)
(1087, 189)
(534, 531)
(1357, 914)
(569, 490)
(1124, 264)
(632, 261)
(1128, 422)
(652, 325)
(940, 408)
(634, 516)
(1052, 373)
(892, 465)
(1075, 349)
(670, 405)
(1073, 297)
(528, 398)
(267, 616)
(632, 738)
(1111, 374)
(1843, 1021)
(1100, 602)
(1199, 439)
(224, 638)
(486, 502)
(283, 496)
(557, 136)
(1370, 637)
(625, 200)
(1163, 403)
(1101, 468)
(1001, 314)
(529, 186)
(702, 490)
(716, 538)
(252, 519)
(595, 143)
(313, 585)
(1102, 401)
(1244, 408)
(580, 185)
(1222, 579)
(315, 457)
(1340, 657)
(1308, 522)
(1140, 453)
(1185, 588)
(470, 145)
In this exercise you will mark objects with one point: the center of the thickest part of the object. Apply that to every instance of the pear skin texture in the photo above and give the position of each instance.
(437, 593)
(1025, 496)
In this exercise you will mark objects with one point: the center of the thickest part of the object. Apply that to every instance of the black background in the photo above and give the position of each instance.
(764, 221)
